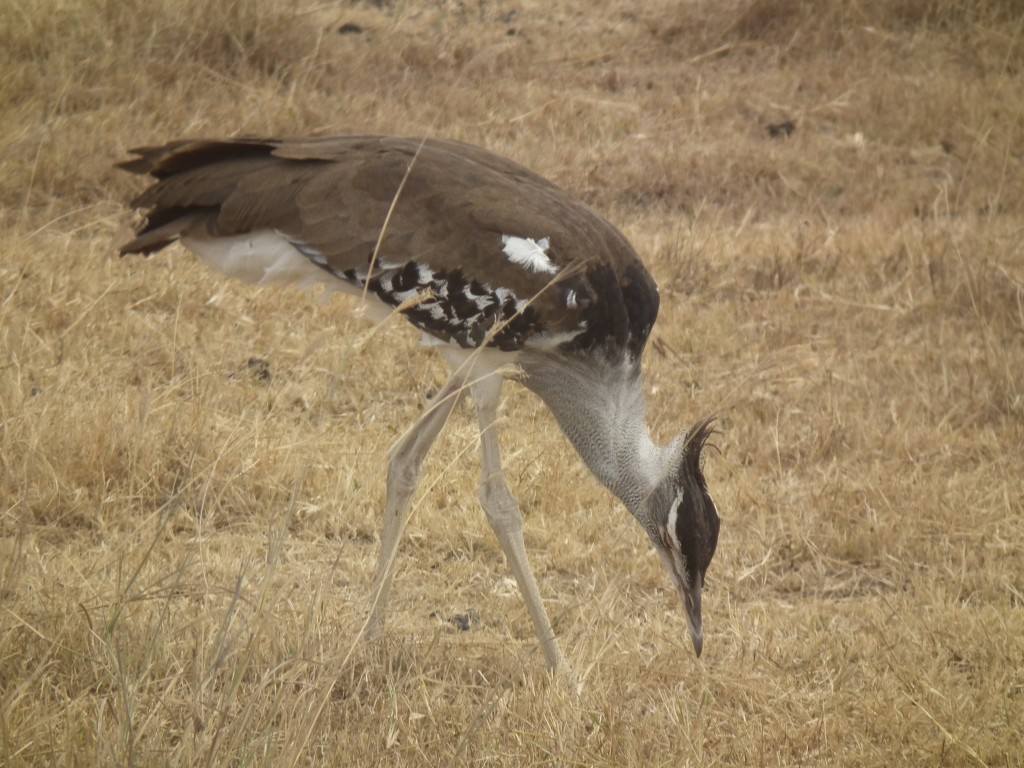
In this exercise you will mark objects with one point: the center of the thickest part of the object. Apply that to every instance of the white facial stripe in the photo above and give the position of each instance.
(673, 516)
(529, 253)
(570, 299)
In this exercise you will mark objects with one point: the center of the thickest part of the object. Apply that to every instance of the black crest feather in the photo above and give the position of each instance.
(698, 521)
(694, 444)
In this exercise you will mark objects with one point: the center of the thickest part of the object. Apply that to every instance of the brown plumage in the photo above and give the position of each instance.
(333, 196)
(496, 266)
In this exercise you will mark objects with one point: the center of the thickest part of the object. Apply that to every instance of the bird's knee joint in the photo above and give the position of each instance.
(494, 493)
(500, 505)
(403, 478)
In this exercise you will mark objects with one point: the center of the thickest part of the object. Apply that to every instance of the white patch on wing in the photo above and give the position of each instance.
(529, 253)
(570, 299)
(403, 296)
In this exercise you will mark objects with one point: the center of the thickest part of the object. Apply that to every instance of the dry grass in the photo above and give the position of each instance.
(186, 545)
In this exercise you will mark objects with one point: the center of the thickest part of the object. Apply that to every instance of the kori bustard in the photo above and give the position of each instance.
(499, 269)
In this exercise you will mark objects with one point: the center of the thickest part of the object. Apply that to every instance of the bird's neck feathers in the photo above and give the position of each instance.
(600, 408)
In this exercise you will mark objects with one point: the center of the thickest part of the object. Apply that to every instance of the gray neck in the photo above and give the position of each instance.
(600, 408)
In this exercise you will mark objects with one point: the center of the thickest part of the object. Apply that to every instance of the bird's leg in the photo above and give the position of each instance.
(404, 461)
(505, 517)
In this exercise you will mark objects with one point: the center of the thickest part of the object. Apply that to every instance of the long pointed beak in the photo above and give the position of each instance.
(691, 599)
(690, 594)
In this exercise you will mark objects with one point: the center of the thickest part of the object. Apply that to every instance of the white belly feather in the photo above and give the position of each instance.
(265, 258)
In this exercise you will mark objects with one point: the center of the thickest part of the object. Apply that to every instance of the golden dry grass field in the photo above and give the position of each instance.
(188, 538)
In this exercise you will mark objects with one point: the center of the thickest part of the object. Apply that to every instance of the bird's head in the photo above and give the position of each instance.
(685, 525)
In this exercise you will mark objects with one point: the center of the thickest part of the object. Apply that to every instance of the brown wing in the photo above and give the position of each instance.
(446, 207)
